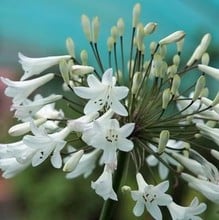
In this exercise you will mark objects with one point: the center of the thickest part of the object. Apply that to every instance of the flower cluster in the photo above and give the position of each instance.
(119, 113)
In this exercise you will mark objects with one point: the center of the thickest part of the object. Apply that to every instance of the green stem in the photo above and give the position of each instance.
(109, 205)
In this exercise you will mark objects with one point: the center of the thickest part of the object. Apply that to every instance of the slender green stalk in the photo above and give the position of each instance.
(109, 205)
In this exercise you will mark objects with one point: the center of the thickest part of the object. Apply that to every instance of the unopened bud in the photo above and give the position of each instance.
(149, 28)
(216, 100)
(110, 43)
(120, 26)
(176, 60)
(214, 72)
(95, 28)
(140, 36)
(23, 128)
(153, 46)
(114, 33)
(70, 46)
(135, 14)
(179, 45)
(164, 137)
(205, 59)
(85, 21)
(200, 84)
(81, 70)
(174, 37)
(84, 57)
(125, 189)
(166, 98)
(136, 82)
(175, 84)
(63, 67)
(215, 154)
(73, 161)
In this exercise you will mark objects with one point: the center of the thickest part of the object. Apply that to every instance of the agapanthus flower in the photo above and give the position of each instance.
(121, 113)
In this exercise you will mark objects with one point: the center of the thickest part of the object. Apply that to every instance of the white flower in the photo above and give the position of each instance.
(103, 185)
(103, 95)
(14, 158)
(108, 136)
(20, 90)
(150, 197)
(214, 72)
(85, 165)
(30, 108)
(34, 66)
(212, 133)
(46, 145)
(187, 213)
(208, 189)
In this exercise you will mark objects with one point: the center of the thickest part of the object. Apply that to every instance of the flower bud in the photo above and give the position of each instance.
(140, 37)
(95, 28)
(84, 57)
(73, 161)
(135, 14)
(166, 98)
(149, 28)
(176, 60)
(205, 59)
(81, 70)
(136, 82)
(216, 100)
(120, 26)
(70, 46)
(23, 128)
(209, 70)
(174, 37)
(179, 45)
(85, 21)
(200, 84)
(125, 189)
(63, 67)
(215, 154)
(164, 137)
(114, 33)
(175, 84)
(110, 42)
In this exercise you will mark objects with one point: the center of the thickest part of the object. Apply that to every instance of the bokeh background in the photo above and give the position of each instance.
(39, 28)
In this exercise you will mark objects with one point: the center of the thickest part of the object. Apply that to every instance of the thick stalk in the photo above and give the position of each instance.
(109, 205)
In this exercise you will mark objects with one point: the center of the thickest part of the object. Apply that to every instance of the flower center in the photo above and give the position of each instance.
(112, 136)
(149, 197)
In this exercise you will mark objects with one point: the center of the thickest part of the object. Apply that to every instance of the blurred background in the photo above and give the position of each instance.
(39, 28)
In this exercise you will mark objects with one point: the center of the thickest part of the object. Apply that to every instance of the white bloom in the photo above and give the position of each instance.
(174, 37)
(208, 189)
(14, 158)
(212, 133)
(150, 197)
(187, 213)
(85, 165)
(108, 136)
(103, 95)
(103, 185)
(20, 90)
(46, 145)
(30, 108)
(34, 66)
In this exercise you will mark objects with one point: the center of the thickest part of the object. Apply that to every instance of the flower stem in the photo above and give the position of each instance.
(109, 205)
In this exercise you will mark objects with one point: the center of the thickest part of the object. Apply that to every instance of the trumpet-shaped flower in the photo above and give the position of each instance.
(34, 66)
(209, 189)
(103, 95)
(187, 213)
(20, 90)
(30, 108)
(150, 197)
(103, 185)
(109, 137)
(45, 145)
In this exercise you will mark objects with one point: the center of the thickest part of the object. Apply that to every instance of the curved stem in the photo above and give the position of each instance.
(109, 205)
